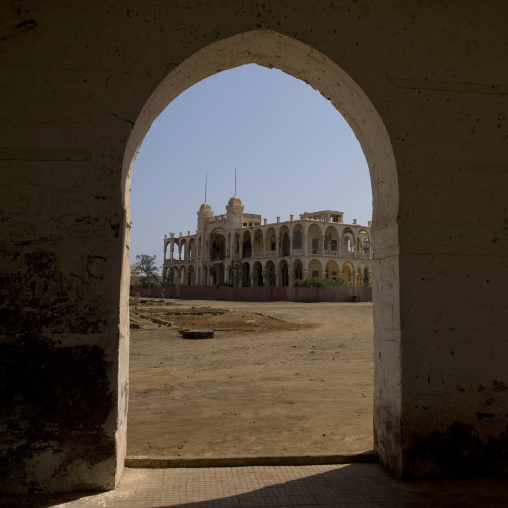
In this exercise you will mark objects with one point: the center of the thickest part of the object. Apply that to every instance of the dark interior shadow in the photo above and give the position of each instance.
(44, 500)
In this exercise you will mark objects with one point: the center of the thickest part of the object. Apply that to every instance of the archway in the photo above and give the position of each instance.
(348, 242)
(363, 243)
(297, 270)
(65, 210)
(217, 246)
(332, 270)
(315, 268)
(297, 238)
(348, 271)
(283, 273)
(191, 276)
(303, 62)
(247, 245)
(331, 241)
(246, 278)
(269, 276)
(285, 243)
(192, 250)
(366, 277)
(257, 274)
(183, 250)
(259, 244)
(271, 244)
(314, 243)
(182, 278)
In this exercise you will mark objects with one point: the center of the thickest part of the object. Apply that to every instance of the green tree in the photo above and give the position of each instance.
(237, 275)
(168, 280)
(269, 275)
(146, 268)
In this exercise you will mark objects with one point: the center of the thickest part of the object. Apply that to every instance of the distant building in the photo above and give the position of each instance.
(237, 247)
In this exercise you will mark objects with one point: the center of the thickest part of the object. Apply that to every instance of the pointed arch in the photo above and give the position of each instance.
(272, 49)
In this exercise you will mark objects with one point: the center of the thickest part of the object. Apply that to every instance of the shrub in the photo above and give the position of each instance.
(269, 275)
(317, 282)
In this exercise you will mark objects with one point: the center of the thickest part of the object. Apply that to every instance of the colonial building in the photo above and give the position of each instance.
(242, 249)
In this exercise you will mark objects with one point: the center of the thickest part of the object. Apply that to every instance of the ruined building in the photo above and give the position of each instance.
(237, 248)
(423, 85)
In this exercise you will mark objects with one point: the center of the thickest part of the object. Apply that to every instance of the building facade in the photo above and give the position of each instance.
(242, 249)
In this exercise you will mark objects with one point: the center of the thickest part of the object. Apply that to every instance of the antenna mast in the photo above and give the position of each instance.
(206, 182)
(235, 181)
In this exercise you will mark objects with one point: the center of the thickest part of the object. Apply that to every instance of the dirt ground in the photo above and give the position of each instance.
(278, 378)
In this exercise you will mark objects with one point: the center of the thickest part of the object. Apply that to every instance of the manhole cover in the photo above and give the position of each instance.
(197, 334)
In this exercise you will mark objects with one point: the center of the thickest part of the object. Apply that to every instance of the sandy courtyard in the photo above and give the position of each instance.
(279, 378)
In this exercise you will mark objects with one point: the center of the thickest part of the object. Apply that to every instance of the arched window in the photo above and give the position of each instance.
(297, 240)
(285, 245)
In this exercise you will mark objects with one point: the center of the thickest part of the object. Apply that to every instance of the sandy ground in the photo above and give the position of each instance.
(279, 378)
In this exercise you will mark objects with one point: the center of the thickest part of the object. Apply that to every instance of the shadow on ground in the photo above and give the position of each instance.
(350, 485)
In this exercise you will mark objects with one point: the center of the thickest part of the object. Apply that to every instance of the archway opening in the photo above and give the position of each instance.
(321, 74)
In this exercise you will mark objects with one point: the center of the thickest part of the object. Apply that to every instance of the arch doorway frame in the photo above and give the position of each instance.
(271, 49)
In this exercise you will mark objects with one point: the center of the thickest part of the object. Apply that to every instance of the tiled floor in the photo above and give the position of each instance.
(352, 485)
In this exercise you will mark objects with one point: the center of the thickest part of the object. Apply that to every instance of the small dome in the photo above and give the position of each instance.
(235, 201)
(205, 210)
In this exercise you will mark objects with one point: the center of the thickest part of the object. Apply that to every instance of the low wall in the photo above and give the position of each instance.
(260, 294)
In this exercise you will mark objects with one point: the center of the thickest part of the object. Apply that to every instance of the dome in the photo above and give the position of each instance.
(205, 210)
(235, 201)
(205, 207)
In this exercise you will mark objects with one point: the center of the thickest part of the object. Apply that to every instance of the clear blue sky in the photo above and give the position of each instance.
(292, 150)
